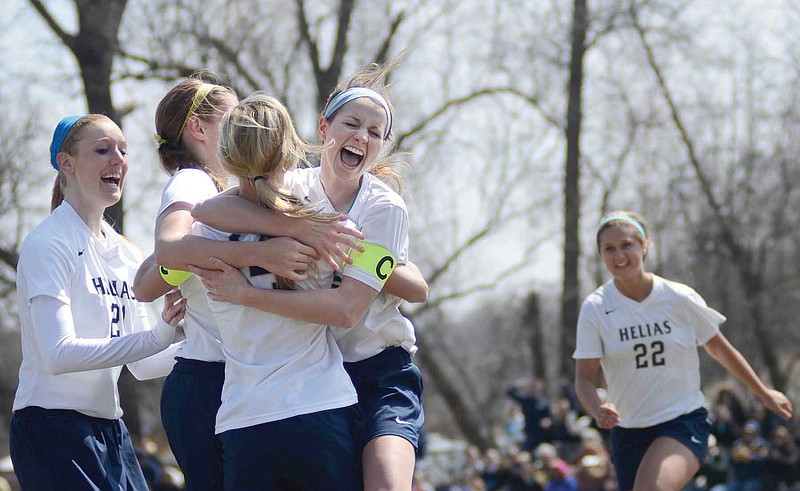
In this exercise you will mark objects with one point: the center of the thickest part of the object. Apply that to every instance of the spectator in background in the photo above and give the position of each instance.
(562, 427)
(494, 473)
(526, 474)
(515, 424)
(591, 461)
(767, 421)
(591, 472)
(723, 424)
(728, 417)
(749, 456)
(556, 470)
(535, 406)
(420, 482)
(782, 466)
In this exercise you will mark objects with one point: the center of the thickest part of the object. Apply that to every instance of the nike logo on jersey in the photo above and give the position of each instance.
(80, 253)
(610, 311)
(695, 440)
(401, 422)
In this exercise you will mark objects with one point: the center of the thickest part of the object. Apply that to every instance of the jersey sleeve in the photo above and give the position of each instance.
(64, 352)
(386, 226)
(187, 186)
(704, 320)
(588, 343)
(47, 266)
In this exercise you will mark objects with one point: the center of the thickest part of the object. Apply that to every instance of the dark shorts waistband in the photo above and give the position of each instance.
(189, 365)
(40, 412)
(392, 356)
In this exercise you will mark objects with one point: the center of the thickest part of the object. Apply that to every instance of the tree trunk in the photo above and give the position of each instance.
(571, 287)
(532, 319)
(753, 287)
(94, 47)
(454, 397)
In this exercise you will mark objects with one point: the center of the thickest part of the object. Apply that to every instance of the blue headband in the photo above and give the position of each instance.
(625, 218)
(62, 128)
(348, 95)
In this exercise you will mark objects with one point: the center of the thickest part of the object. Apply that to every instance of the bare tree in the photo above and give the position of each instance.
(570, 300)
(746, 215)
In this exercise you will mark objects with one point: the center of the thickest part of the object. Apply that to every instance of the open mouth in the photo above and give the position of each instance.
(113, 179)
(351, 156)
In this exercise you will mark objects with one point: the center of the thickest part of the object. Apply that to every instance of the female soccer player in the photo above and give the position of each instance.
(80, 321)
(643, 330)
(188, 120)
(375, 339)
(287, 403)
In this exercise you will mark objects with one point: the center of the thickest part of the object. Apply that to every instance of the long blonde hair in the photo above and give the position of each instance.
(258, 143)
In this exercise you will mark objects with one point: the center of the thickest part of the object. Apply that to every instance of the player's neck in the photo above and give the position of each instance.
(340, 193)
(636, 288)
(92, 216)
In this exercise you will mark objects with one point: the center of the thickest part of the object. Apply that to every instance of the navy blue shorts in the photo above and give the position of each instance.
(389, 390)
(628, 445)
(311, 452)
(189, 402)
(55, 449)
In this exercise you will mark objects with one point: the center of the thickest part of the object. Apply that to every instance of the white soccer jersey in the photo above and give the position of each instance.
(380, 213)
(61, 258)
(648, 349)
(276, 367)
(202, 334)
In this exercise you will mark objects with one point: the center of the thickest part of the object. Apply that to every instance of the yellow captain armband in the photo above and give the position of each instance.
(173, 276)
(376, 260)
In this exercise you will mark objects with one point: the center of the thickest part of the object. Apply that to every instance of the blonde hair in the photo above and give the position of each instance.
(258, 142)
(175, 108)
(68, 146)
(374, 77)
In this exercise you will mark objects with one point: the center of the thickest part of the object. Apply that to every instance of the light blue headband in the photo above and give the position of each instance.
(625, 218)
(62, 128)
(348, 95)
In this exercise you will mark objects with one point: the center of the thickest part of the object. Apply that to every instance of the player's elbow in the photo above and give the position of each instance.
(198, 211)
(161, 252)
(56, 364)
(419, 294)
(142, 292)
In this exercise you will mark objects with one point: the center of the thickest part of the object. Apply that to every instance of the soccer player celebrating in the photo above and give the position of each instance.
(375, 339)
(643, 331)
(80, 321)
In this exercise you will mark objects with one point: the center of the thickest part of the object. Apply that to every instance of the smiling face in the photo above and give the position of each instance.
(623, 251)
(353, 138)
(95, 164)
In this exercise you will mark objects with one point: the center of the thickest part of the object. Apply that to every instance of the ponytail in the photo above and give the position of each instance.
(58, 193)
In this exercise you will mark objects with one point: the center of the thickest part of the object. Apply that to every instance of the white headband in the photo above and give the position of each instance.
(348, 95)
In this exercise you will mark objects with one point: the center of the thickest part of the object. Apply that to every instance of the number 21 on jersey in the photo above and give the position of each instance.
(117, 317)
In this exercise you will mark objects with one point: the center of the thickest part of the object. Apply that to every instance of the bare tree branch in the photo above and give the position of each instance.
(383, 51)
(694, 160)
(472, 96)
(65, 38)
(305, 35)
